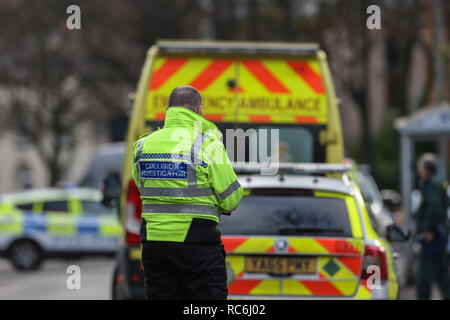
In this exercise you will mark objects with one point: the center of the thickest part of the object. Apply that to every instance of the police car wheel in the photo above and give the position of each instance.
(25, 255)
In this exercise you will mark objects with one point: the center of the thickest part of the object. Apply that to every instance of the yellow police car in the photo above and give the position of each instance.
(307, 236)
(56, 222)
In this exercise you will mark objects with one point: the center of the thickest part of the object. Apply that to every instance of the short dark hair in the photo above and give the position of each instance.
(185, 96)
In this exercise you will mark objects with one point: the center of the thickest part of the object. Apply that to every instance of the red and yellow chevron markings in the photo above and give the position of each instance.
(231, 243)
(364, 292)
(265, 90)
(210, 74)
(321, 288)
(313, 79)
(260, 72)
(339, 267)
(341, 247)
(217, 67)
(240, 286)
(165, 72)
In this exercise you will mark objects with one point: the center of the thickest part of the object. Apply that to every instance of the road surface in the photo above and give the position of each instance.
(49, 282)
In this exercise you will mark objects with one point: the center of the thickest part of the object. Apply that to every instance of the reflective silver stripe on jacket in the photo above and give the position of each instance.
(181, 208)
(228, 191)
(192, 166)
(139, 154)
(139, 148)
(171, 156)
(176, 192)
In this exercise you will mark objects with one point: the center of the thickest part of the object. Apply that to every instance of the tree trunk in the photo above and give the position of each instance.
(362, 95)
(253, 20)
(288, 29)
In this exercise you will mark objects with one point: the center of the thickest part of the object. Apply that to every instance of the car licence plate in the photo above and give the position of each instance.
(280, 264)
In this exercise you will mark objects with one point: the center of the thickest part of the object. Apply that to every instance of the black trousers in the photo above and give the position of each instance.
(178, 271)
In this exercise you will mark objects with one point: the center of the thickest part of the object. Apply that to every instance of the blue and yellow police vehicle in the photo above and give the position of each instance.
(56, 222)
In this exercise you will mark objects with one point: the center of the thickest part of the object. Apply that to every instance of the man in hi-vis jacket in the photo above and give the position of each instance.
(186, 182)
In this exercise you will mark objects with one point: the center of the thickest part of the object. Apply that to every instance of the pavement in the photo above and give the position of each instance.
(409, 293)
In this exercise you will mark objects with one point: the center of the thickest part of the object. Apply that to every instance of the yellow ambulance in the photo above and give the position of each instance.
(284, 86)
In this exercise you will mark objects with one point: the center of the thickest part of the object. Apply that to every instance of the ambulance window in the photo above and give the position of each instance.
(295, 144)
(55, 206)
(94, 207)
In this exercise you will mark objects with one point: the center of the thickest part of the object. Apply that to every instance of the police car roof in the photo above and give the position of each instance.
(296, 182)
(52, 194)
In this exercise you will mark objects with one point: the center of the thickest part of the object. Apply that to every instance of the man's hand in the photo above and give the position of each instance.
(429, 236)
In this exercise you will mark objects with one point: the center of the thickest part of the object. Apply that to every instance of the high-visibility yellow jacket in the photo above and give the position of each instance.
(185, 179)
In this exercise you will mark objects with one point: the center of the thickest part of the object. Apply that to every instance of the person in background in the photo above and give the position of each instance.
(432, 231)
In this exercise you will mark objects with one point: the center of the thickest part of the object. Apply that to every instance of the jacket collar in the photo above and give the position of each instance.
(184, 117)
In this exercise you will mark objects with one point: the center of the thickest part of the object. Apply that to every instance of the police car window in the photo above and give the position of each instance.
(25, 206)
(94, 207)
(288, 215)
(55, 206)
(373, 220)
(368, 190)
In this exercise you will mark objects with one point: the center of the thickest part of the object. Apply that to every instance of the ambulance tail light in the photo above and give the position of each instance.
(133, 211)
(374, 256)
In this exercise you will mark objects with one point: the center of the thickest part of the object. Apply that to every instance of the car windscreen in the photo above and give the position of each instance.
(25, 206)
(288, 215)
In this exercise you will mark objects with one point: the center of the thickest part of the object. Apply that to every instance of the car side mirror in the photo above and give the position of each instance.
(111, 190)
(395, 233)
(391, 199)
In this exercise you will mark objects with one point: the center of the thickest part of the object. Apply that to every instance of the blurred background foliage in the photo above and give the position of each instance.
(54, 77)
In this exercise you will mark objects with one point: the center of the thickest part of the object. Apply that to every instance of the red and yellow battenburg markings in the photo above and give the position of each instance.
(339, 266)
(251, 90)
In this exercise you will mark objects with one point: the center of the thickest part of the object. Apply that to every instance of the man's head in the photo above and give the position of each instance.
(427, 165)
(186, 96)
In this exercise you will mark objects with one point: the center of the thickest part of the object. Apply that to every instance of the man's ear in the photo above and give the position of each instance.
(200, 109)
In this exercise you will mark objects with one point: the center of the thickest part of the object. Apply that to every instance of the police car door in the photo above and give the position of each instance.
(61, 227)
(99, 227)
